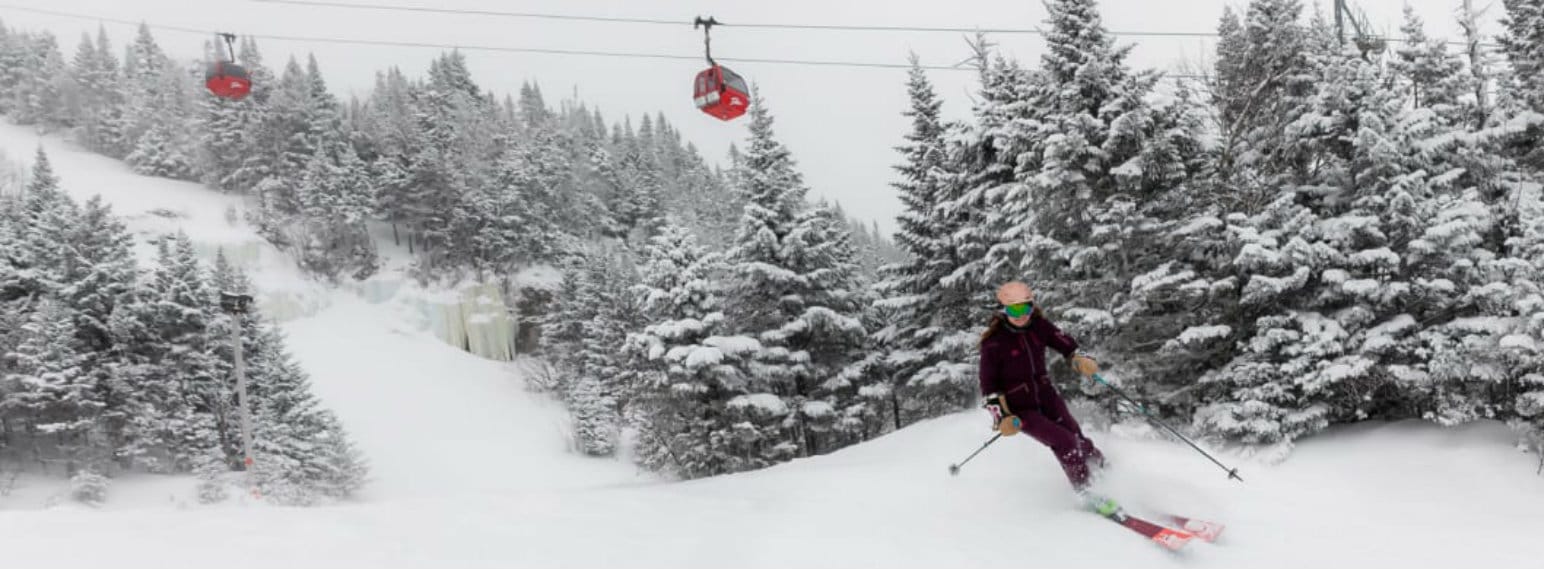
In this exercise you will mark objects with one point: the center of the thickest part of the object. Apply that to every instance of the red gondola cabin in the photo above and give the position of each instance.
(721, 93)
(227, 80)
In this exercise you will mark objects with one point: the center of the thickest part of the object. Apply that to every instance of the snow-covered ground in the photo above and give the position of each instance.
(1386, 496)
(471, 470)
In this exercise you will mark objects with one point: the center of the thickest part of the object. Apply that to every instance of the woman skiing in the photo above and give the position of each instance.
(1018, 389)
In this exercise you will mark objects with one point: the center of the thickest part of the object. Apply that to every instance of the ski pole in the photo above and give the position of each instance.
(954, 469)
(1232, 472)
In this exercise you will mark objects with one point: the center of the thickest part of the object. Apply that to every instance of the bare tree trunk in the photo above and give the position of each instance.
(1468, 20)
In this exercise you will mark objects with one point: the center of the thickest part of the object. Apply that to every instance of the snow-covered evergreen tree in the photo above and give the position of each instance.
(774, 192)
(297, 443)
(168, 380)
(162, 151)
(48, 391)
(1265, 73)
(792, 290)
(927, 335)
(1434, 77)
(827, 331)
(44, 256)
(1523, 44)
(688, 365)
(99, 282)
(157, 112)
(335, 202)
(584, 337)
(96, 95)
(37, 95)
(13, 55)
(914, 299)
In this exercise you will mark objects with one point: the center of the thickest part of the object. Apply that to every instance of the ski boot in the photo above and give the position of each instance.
(1102, 505)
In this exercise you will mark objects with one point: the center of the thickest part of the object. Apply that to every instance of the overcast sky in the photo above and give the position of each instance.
(840, 122)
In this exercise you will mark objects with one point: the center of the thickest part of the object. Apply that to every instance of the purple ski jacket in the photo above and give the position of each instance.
(1013, 362)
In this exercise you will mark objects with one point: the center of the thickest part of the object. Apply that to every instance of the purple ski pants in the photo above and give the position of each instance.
(1054, 427)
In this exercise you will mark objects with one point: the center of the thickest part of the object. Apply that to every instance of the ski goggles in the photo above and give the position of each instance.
(1018, 310)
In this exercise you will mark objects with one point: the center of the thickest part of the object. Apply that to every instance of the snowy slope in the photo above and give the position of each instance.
(472, 471)
(433, 419)
(1385, 496)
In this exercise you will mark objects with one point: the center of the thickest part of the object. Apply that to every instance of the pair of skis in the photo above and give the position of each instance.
(1169, 538)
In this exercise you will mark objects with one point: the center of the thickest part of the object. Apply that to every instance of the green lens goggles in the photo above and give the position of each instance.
(1018, 310)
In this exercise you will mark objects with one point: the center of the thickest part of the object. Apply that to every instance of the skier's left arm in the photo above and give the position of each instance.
(1066, 345)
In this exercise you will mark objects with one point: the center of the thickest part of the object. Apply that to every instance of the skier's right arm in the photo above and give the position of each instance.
(989, 367)
(1002, 418)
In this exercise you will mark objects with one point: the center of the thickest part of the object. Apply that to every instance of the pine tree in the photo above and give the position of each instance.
(436, 184)
(826, 333)
(1433, 76)
(37, 94)
(640, 184)
(1230, 83)
(13, 264)
(792, 290)
(166, 380)
(774, 193)
(1269, 75)
(13, 56)
(157, 111)
(1523, 44)
(1524, 303)
(95, 94)
(533, 109)
(335, 203)
(1356, 299)
(690, 365)
(595, 417)
(520, 229)
(585, 331)
(47, 388)
(79, 86)
(97, 287)
(1522, 91)
(928, 329)
(300, 448)
(161, 151)
(44, 257)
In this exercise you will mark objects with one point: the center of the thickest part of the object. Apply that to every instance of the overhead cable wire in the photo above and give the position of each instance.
(747, 25)
(511, 49)
(659, 21)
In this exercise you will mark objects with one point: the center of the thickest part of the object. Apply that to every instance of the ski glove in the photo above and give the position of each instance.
(1009, 426)
(1084, 365)
(1002, 419)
